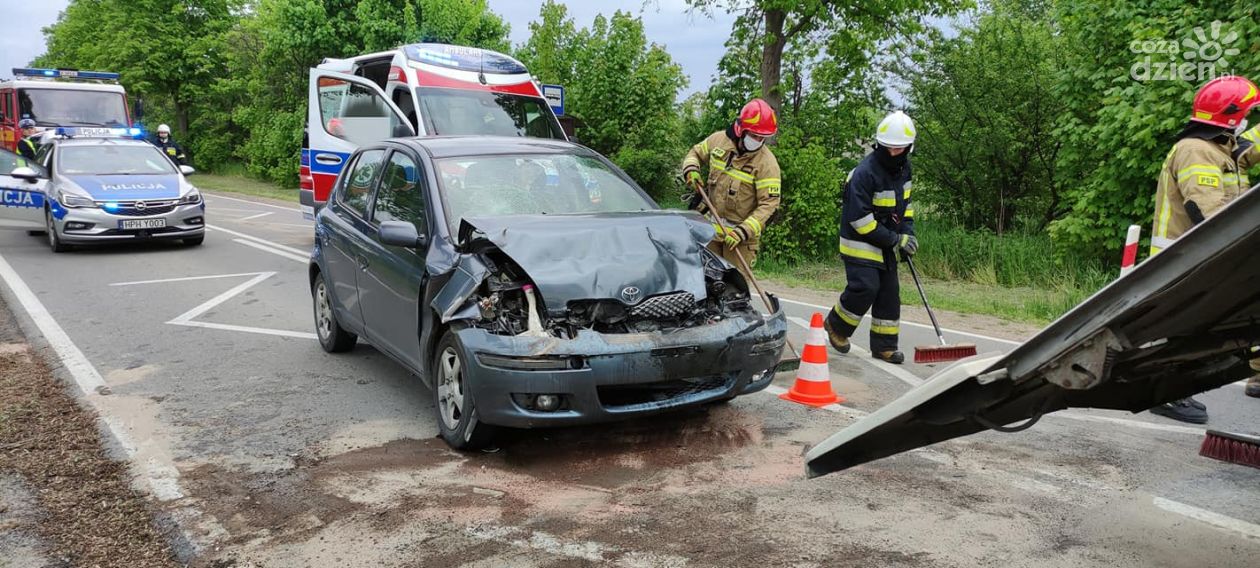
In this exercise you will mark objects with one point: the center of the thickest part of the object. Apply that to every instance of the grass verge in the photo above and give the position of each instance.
(1017, 303)
(233, 183)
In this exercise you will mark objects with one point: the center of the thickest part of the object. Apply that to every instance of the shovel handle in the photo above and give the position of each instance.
(917, 284)
(743, 264)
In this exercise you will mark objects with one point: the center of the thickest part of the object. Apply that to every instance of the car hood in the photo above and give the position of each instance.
(623, 256)
(127, 187)
(1180, 323)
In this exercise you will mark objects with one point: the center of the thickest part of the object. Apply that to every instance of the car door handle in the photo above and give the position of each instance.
(328, 159)
(363, 263)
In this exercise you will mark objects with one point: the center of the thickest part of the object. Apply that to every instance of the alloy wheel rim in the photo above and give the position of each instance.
(451, 388)
(323, 311)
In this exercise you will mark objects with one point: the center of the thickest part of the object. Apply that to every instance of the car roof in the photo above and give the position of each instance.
(454, 146)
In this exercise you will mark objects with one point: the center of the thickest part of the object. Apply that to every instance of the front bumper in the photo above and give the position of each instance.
(617, 376)
(103, 226)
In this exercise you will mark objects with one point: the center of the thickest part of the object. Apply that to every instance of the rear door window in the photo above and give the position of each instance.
(357, 187)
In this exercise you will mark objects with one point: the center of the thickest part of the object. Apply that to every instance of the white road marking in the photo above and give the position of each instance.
(263, 214)
(281, 207)
(162, 478)
(865, 356)
(1084, 417)
(276, 252)
(187, 319)
(185, 279)
(260, 240)
(912, 324)
(215, 301)
(76, 363)
(1217, 520)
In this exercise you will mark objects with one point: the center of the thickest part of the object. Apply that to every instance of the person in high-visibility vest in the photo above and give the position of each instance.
(169, 145)
(742, 182)
(27, 147)
(1205, 170)
(877, 223)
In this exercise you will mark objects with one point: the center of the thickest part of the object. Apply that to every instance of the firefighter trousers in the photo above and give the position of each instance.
(747, 249)
(874, 289)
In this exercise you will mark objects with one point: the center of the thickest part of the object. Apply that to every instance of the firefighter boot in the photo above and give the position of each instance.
(840, 342)
(894, 357)
(1253, 387)
(1184, 410)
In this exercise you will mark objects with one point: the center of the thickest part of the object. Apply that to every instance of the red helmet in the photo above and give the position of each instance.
(757, 117)
(1225, 101)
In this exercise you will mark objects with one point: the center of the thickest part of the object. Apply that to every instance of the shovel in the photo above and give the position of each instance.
(786, 364)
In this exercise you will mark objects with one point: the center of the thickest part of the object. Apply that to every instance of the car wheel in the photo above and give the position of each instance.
(452, 398)
(194, 241)
(332, 337)
(54, 240)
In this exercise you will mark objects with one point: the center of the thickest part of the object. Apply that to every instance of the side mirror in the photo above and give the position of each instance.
(26, 173)
(187, 170)
(402, 234)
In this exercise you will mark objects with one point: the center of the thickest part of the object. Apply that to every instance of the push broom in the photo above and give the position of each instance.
(944, 352)
(1230, 447)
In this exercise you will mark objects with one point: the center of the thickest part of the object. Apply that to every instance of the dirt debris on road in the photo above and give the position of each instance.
(81, 511)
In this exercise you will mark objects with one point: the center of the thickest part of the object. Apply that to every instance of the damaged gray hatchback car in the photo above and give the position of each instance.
(531, 283)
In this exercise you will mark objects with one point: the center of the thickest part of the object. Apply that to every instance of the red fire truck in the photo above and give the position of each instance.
(86, 100)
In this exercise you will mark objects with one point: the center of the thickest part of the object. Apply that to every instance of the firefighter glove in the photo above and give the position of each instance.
(735, 236)
(908, 244)
(694, 179)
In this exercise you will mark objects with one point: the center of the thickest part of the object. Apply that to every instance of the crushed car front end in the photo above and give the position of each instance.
(607, 333)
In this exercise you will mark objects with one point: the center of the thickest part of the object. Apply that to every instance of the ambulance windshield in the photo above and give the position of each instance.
(461, 112)
(72, 107)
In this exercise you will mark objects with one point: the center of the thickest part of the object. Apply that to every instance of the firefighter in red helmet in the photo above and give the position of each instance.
(1206, 169)
(742, 180)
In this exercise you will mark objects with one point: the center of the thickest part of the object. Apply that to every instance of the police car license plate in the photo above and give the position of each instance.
(142, 223)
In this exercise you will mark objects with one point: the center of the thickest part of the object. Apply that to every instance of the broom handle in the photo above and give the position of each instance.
(743, 263)
(915, 274)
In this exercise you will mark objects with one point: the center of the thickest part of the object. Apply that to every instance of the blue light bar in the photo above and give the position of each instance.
(64, 73)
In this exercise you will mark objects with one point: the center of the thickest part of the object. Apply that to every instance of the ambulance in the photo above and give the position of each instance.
(92, 102)
(423, 89)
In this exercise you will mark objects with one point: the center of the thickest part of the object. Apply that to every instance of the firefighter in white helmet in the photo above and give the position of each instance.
(169, 146)
(877, 222)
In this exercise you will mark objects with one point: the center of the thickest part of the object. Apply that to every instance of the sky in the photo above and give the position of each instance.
(695, 41)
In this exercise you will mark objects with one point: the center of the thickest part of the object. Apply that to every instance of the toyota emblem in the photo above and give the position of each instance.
(631, 294)
(141, 206)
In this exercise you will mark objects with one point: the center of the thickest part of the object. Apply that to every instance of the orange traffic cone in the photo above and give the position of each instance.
(813, 380)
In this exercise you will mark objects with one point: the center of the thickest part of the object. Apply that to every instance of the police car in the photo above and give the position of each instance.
(87, 191)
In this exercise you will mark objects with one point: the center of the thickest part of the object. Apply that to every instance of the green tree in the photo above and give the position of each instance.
(987, 144)
(619, 85)
(1124, 107)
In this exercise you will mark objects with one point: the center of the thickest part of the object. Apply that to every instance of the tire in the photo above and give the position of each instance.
(54, 240)
(331, 336)
(194, 241)
(455, 409)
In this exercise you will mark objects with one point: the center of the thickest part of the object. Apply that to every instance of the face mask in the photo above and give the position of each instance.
(752, 144)
(889, 161)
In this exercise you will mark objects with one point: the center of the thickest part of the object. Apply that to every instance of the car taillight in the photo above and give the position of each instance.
(396, 73)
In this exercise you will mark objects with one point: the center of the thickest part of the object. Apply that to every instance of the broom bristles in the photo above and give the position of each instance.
(1233, 448)
(940, 354)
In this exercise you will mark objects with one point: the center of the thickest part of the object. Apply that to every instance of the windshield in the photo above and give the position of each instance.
(65, 107)
(106, 160)
(459, 112)
(492, 186)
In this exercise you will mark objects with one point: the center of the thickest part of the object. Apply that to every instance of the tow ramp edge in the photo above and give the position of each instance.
(1180, 323)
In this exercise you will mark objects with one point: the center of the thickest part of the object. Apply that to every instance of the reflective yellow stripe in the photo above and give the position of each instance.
(865, 224)
(704, 146)
(691, 161)
(909, 214)
(767, 182)
(858, 249)
(741, 176)
(1197, 169)
(848, 318)
(754, 225)
(885, 199)
(885, 327)
(1253, 135)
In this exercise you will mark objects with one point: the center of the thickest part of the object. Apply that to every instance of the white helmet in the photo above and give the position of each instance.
(895, 131)
(164, 129)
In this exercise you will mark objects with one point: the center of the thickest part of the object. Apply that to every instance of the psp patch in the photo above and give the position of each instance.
(20, 198)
